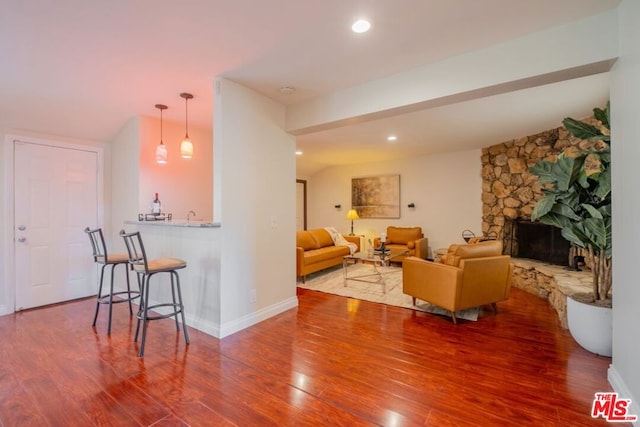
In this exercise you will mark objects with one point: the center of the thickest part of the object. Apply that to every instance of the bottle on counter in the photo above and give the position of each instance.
(156, 206)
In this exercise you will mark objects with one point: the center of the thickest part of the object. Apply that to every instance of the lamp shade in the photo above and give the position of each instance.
(352, 214)
(161, 154)
(161, 149)
(186, 148)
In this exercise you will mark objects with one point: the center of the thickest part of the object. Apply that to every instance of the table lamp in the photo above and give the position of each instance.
(352, 214)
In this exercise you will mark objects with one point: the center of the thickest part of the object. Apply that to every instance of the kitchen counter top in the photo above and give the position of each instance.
(178, 223)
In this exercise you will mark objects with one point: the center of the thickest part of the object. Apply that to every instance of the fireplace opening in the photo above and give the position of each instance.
(538, 241)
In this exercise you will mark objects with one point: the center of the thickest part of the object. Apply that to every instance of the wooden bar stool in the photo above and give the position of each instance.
(102, 257)
(145, 269)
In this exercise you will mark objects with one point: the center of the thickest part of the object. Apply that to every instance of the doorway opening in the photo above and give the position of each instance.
(301, 204)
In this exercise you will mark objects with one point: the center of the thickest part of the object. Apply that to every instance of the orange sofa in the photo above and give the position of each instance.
(410, 239)
(315, 251)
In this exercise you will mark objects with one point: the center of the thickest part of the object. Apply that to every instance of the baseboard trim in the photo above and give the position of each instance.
(229, 328)
(220, 331)
(619, 386)
(203, 325)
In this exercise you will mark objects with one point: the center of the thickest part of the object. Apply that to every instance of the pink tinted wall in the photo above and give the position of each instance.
(182, 184)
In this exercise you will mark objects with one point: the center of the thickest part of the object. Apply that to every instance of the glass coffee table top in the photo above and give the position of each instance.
(377, 256)
(379, 261)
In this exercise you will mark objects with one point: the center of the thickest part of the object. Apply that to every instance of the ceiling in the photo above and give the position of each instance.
(82, 69)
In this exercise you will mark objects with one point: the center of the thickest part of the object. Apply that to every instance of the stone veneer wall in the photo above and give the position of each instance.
(509, 190)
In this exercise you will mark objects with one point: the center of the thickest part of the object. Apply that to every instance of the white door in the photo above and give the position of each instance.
(56, 197)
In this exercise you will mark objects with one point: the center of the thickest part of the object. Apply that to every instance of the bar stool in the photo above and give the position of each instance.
(145, 269)
(102, 257)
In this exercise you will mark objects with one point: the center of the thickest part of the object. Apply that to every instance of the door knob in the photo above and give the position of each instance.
(22, 228)
(22, 239)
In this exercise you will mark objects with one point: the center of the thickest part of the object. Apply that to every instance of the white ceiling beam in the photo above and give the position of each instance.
(565, 52)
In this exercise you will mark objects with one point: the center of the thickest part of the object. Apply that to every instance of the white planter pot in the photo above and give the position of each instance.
(590, 326)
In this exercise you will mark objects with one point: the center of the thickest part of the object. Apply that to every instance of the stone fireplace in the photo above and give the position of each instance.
(510, 191)
(526, 239)
(509, 194)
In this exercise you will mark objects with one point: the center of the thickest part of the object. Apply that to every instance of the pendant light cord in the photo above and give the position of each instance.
(186, 116)
(161, 107)
(187, 97)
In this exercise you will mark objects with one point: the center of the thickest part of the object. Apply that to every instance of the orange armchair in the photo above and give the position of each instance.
(469, 276)
(409, 238)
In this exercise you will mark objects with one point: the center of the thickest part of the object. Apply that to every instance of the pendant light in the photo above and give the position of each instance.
(186, 146)
(161, 149)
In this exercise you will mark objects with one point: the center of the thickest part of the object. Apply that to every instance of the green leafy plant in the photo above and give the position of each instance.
(576, 198)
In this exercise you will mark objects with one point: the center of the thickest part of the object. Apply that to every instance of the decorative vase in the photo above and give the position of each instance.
(591, 326)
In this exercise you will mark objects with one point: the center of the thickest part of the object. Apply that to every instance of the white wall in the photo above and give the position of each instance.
(124, 194)
(6, 235)
(624, 373)
(254, 199)
(182, 184)
(445, 188)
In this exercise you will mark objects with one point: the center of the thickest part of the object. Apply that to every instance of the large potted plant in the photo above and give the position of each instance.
(576, 198)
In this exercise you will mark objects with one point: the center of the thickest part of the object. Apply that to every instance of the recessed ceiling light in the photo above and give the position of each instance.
(287, 90)
(298, 153)
(361, 26)
(392, 138)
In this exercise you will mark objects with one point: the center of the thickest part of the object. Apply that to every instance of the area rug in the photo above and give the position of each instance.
(331, 281)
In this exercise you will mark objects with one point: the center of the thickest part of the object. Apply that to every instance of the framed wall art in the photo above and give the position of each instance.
(376, 196)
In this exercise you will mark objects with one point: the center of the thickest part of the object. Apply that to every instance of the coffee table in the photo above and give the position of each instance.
(379, 262)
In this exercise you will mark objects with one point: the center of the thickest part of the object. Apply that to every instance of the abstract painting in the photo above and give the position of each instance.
(376, 196)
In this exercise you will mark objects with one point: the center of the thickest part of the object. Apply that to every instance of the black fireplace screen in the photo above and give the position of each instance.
(538, 241)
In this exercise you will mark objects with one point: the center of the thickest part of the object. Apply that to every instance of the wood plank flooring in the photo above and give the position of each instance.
(332, 362)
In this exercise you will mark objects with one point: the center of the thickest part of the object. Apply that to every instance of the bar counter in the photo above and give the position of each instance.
(198, 243)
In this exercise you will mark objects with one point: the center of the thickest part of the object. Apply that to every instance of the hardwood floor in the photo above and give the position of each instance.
(333, 361)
